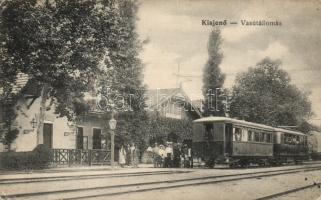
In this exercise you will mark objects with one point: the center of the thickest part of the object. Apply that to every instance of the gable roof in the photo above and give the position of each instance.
(156, 97)
(20, 82)
(25, 87)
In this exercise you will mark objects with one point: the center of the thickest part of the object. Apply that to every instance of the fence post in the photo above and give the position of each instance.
(52, 157)
(89, 157)
(69, 157)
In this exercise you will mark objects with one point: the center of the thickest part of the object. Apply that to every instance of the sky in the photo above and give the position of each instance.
(178, 41)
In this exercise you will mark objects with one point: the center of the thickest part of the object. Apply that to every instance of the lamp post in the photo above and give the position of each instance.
(112, 126)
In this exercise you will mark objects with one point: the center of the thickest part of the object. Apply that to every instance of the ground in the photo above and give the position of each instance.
(130, 183)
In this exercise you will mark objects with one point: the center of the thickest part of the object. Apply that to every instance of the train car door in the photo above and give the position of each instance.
(228, 138)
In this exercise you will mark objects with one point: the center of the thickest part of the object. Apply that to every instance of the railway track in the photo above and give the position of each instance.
(115, 190)
(287, 192)
(79, 177)
(102, 176)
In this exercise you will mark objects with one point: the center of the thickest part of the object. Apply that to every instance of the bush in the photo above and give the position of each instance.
(39, 158)
(42, 156)
(15, 160)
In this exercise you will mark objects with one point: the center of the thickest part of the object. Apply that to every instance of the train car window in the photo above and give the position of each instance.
(282, 139)
(291, 139)
(274, 138)
(297, 140)
(285, 139)
(250, 135)
(261, 137)
(256, 136)
(268, 138)
(301, 140)
(294, 140)
(209, 132)
(238, 134)
(244, 135)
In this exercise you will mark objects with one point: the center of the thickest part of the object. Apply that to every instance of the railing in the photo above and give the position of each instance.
(79, 156)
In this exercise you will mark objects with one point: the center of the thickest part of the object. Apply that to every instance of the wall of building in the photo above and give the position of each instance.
(88, 123)
(63, 135)
(172, 109)
(27, 138)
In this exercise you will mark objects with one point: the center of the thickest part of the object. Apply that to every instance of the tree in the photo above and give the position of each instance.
(60, 44)
(264, 94)
(8, 116)
(160, 127)
(126, 81)
(129, 74)
(213, 78)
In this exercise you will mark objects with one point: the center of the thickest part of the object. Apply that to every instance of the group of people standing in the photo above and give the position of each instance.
(128, 155)
(172, 155)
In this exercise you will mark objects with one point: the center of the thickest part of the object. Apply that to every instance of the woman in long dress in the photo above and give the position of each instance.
(134, 155)
(122, 156)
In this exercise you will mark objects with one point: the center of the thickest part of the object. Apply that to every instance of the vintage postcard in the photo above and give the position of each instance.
(160, 99)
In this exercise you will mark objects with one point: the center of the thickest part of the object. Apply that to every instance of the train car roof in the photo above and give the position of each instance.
(235, 121)
(288, 131)
(245, 123)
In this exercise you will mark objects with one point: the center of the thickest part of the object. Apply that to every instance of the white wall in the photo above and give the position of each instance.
(63, 135)
(88, 124)
(27, 139)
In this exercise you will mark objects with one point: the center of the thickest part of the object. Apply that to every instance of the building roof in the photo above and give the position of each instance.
(157, 97)
(20, 82)
(198, 103)
(245, 123)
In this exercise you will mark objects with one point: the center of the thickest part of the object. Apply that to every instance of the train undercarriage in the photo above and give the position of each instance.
(244, 162)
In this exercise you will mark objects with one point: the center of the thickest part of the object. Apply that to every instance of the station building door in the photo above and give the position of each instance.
(47, 134)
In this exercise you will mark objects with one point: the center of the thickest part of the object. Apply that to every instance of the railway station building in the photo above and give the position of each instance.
(91, 130)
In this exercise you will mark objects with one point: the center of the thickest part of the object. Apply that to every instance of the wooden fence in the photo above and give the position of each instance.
(80, 157)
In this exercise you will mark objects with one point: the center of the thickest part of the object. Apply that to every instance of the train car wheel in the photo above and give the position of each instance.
(210, 163)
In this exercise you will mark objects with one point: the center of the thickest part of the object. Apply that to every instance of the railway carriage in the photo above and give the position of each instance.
(290, 146)
(222, 140)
